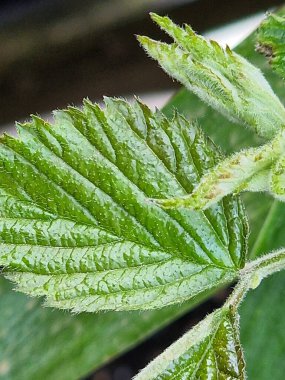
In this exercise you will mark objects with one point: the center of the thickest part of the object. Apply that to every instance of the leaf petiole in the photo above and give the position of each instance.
(253, 273)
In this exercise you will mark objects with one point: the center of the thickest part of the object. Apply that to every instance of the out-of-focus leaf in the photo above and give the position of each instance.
(41, 343)
(262, 329)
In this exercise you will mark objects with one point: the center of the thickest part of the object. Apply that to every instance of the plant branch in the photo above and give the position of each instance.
(253, 273)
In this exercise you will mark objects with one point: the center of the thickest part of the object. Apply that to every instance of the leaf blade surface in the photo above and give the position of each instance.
(99, 243)
(218, 76)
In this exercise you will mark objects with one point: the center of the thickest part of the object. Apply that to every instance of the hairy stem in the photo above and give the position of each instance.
(253, 273)
(266, 265)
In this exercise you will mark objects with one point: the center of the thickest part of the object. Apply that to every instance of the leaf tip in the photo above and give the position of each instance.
(159, 20)
(143, 40)
(168, 203)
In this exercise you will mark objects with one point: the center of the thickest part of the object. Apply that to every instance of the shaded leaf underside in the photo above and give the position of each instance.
(77, 226)
(211, 350)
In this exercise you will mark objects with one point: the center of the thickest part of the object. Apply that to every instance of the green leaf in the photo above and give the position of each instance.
(270, 39)
(220, 77)
(211, 350)
(208, 62)
(76, 223)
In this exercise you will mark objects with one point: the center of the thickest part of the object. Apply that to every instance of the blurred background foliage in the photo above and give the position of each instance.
(55, 52)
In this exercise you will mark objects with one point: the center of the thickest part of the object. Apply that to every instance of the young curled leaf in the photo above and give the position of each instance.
(250, 169)
(76, 223)
(220, 77)
(271, 37)
(211, 350)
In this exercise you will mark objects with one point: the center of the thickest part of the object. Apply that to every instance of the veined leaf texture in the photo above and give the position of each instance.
(76, 222)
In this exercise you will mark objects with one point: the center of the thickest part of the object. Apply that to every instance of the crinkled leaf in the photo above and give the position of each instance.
(210, 71)
(76, 222)
(271, 41)
(211, 350)
(220, 77)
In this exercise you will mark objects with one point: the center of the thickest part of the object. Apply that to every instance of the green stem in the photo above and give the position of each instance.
(253, 273)
(266, 265)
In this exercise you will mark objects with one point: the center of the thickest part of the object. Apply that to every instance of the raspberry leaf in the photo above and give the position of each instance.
(77, 225)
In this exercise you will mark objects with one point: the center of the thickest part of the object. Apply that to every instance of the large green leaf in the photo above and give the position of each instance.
(211, 350)
(77, 227)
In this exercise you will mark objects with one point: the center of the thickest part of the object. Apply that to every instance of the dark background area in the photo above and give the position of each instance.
(56, 52)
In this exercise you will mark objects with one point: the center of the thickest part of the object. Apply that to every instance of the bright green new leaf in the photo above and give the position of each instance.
(211, 350)
(77, 225)
(232, 85)
(220, 77)
(271, 41)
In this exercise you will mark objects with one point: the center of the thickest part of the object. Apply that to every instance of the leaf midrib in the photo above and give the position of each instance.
(68, 248)
(182, 279)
